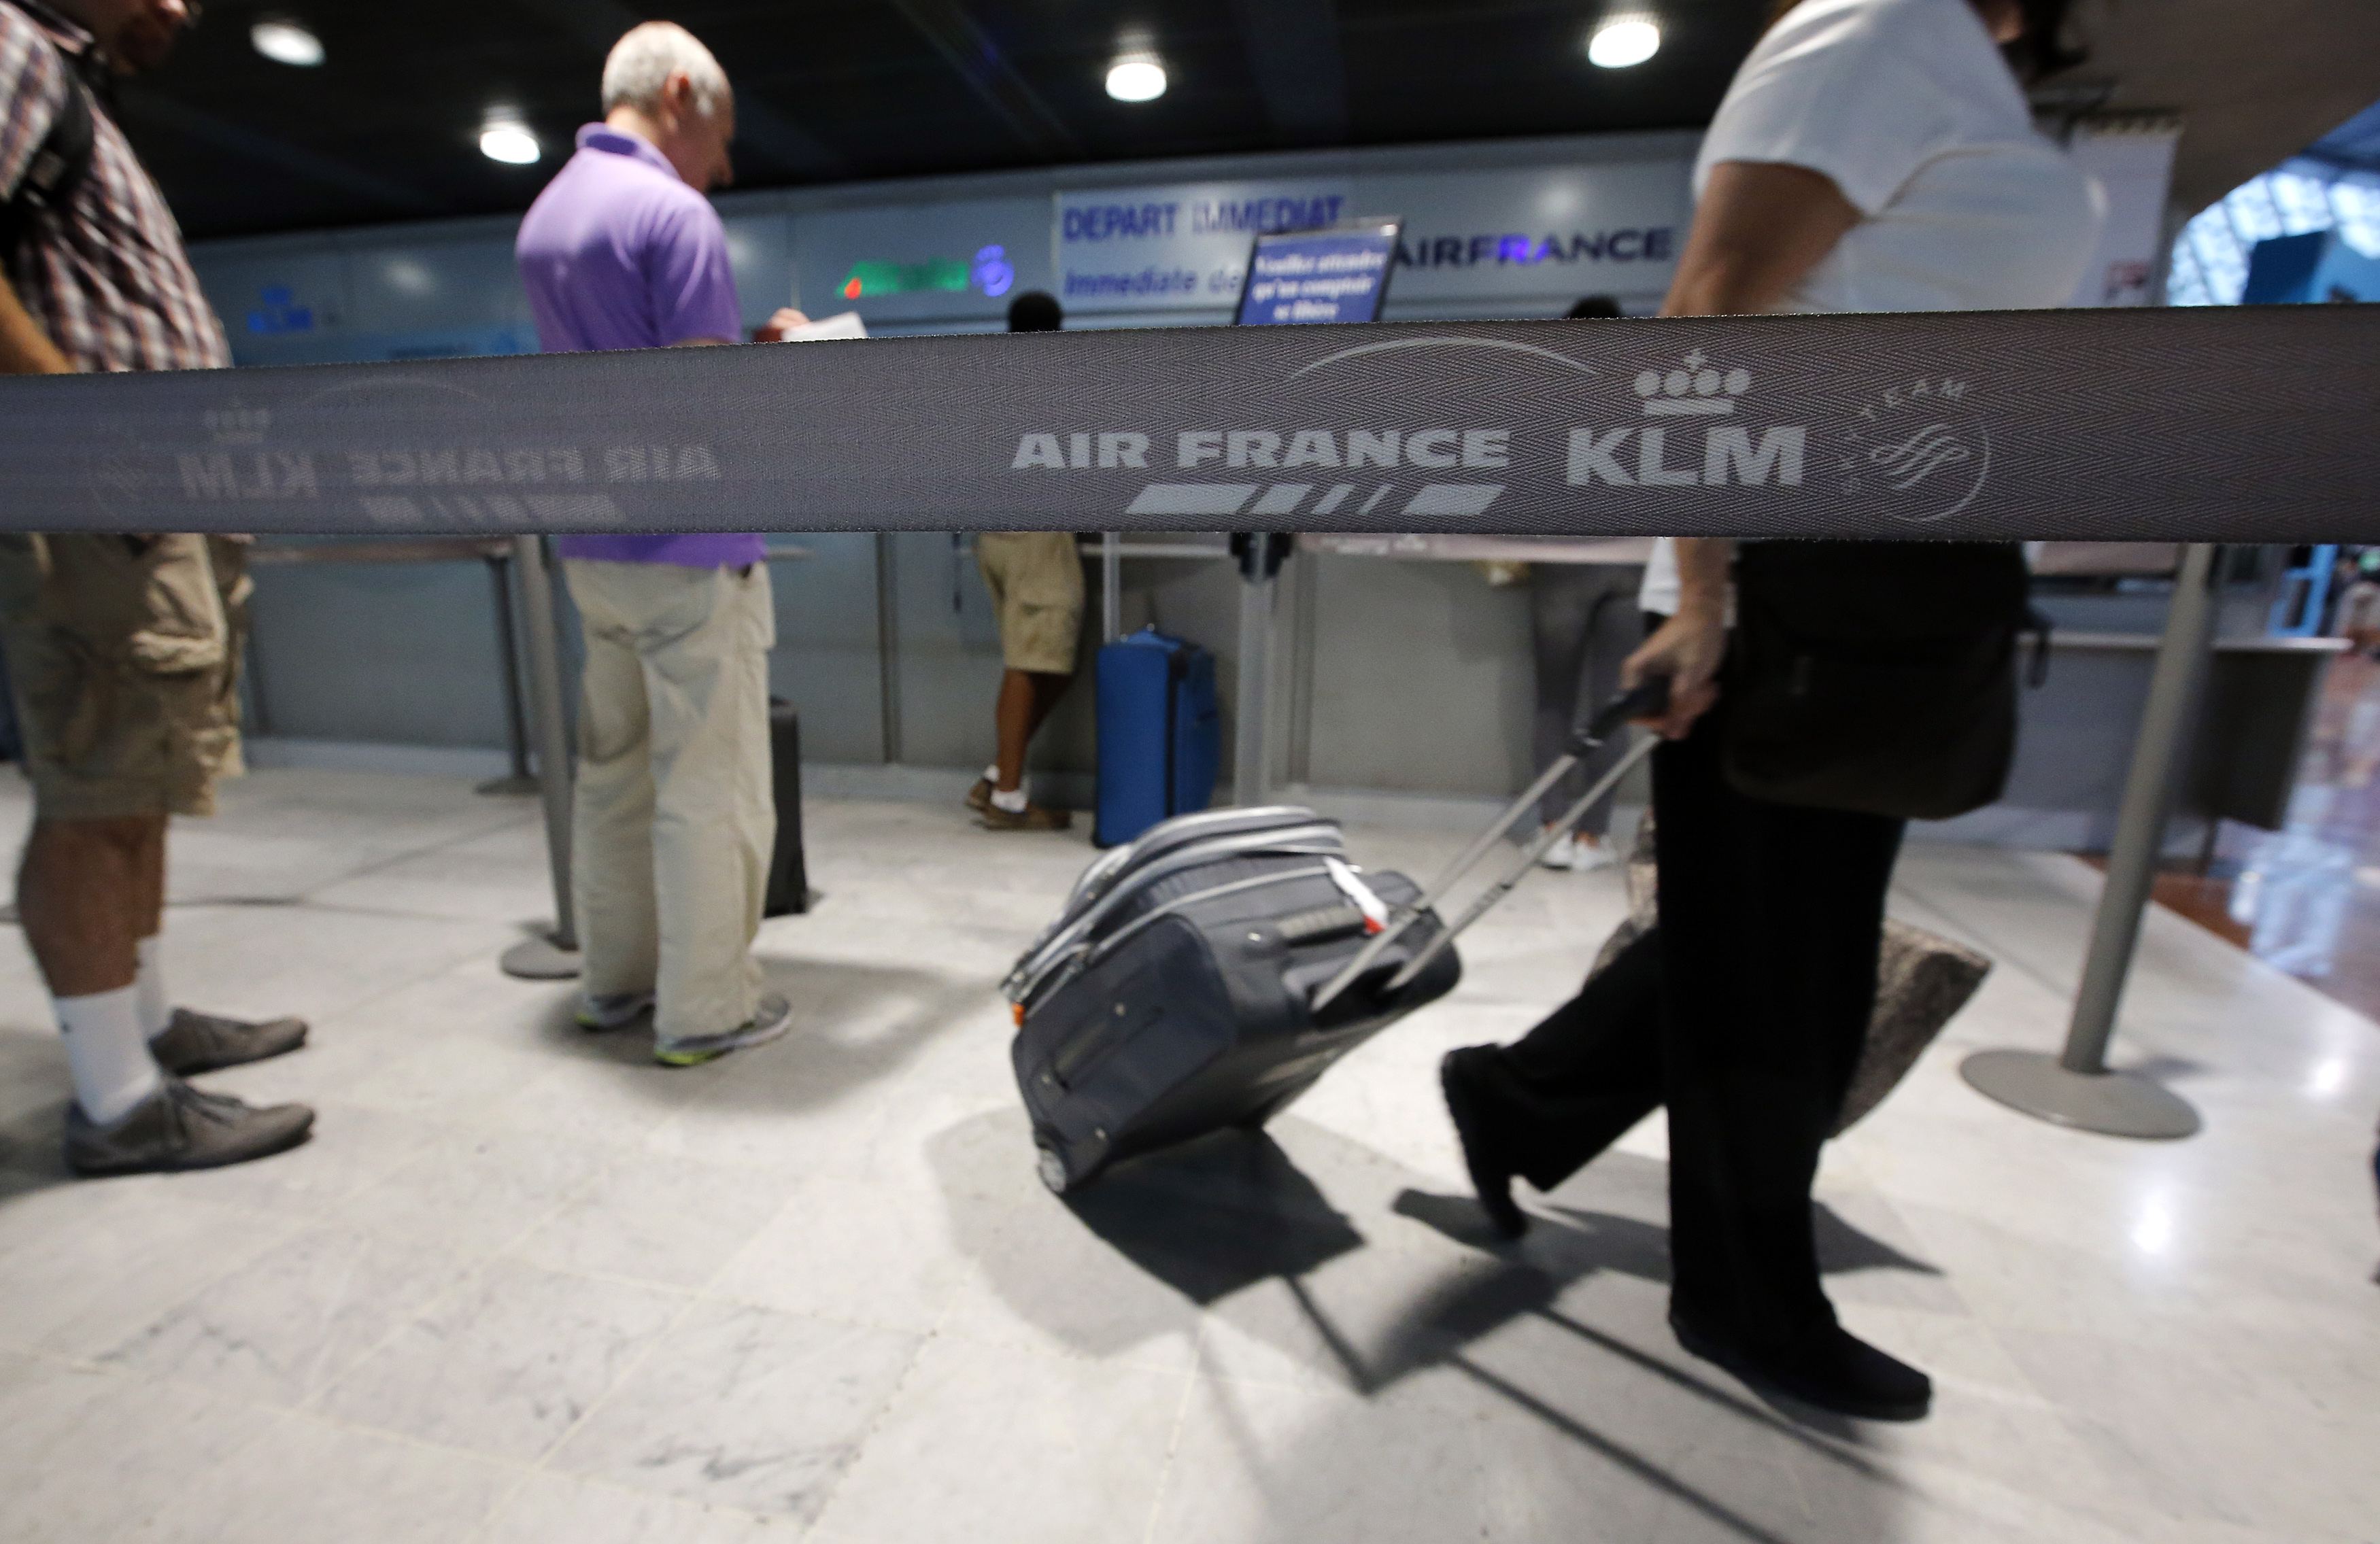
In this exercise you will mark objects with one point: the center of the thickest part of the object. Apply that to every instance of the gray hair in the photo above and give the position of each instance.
(648, 54)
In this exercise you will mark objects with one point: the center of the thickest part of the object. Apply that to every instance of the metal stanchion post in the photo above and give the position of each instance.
(2076, 1088)
(1110, 586)
(553, 956)
(1261, 555)
(518, 780)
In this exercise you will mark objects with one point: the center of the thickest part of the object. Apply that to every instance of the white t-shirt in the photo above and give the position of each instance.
(1658, 590)
(1907, 106)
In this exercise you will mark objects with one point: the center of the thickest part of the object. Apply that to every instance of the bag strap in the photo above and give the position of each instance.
(59, 166)
(2040, 624)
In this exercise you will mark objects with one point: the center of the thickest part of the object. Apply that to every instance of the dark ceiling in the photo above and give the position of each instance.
(387, 128)
(851, 90)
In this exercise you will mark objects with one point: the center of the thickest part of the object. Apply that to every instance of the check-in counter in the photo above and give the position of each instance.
(2078, 728)
(1399, 682)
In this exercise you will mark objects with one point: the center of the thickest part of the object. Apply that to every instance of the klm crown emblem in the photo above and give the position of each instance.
(1694, 388)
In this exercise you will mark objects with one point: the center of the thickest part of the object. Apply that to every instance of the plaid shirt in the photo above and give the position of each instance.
(105, 279)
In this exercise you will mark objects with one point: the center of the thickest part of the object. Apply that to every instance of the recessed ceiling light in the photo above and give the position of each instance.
(285, 43)
(511, 143)
(1628, 40)
(1136, 78)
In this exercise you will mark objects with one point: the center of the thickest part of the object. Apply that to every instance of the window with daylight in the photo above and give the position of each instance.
(2209, 265)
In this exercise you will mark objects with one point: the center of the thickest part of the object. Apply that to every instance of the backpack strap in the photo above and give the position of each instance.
(58, 167)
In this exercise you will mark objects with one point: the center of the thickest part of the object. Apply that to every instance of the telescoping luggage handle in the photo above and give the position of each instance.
(1648, 699)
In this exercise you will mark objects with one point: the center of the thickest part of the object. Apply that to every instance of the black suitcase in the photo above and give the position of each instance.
(1172, 998)
(789, 880)
(1208, 974)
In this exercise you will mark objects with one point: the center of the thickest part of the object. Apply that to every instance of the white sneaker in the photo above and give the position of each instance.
(1589, 854)
(1562, 856)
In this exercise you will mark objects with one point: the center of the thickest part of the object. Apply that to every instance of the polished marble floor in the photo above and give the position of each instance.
(524, 1286)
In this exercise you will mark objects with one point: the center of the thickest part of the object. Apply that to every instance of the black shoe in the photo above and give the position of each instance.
(1491, 1177)
(1828, 1367)
(195, 1043)
(181, 1128)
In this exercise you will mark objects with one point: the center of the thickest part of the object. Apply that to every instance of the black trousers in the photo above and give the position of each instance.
(1743, 1013)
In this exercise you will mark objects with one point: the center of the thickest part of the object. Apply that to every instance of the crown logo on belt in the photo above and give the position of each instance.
(1694, 388)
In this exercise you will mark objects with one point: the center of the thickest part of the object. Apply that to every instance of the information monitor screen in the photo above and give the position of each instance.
(1336, 274)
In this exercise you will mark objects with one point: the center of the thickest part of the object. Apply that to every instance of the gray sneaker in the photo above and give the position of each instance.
(614, 1010)
(772, 1019)
(193, 1042)
(180, 1127)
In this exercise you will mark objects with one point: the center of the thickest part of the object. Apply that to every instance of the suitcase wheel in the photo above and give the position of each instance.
(1052, 1167)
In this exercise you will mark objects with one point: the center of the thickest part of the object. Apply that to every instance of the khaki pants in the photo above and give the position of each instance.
(124, 654)
(1036, 579)
(673, 824)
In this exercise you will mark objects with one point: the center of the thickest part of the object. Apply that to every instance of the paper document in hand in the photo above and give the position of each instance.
(844, 324)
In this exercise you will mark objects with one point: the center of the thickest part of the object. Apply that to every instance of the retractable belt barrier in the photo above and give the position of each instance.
(2250, 424)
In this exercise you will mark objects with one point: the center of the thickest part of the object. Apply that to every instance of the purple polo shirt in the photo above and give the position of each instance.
(618, 252)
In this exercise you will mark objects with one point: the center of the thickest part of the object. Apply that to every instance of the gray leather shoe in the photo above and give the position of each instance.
(195, 1043)
(181, 1128)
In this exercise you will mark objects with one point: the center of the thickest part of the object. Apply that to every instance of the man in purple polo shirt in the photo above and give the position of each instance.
(673, 825)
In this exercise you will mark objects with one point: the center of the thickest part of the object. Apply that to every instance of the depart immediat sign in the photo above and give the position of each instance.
(1180, 247)
(1534, 237)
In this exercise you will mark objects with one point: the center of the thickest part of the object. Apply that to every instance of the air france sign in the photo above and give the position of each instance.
(1689, 428)
(1539, 237)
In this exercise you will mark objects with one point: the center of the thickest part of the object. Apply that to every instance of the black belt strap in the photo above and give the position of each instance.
(2238, 424)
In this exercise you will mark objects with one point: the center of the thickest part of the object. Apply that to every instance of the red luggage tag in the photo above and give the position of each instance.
(1375, 910)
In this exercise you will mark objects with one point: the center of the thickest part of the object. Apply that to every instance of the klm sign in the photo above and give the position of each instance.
(1640, 454)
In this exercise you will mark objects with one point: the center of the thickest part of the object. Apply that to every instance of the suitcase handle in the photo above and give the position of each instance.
(1649, 698)
(1535, 849)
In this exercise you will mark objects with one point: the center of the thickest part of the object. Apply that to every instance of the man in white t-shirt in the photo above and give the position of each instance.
(1871, 155)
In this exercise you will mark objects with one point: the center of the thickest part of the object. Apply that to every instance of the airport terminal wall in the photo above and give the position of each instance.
(1400, 687)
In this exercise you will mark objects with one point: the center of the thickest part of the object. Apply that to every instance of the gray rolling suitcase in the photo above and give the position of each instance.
(1208, 973)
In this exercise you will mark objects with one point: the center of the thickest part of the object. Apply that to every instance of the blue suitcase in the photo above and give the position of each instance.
(1160, 733)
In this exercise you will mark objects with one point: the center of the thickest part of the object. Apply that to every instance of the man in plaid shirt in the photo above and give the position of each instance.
(123, 650)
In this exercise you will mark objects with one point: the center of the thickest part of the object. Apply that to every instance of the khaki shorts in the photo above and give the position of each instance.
(124, 654)
(1036, 579)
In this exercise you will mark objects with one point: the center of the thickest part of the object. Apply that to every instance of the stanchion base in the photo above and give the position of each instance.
(541, 959)
(509, 785)
(2111, 1103)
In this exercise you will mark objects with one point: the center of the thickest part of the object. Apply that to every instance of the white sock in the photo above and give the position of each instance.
(156, 1009)
(992, 774)
(113, 1069)
(1013, 801)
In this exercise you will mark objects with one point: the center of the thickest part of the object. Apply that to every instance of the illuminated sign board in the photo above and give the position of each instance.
(988, 273)
(1299, 277)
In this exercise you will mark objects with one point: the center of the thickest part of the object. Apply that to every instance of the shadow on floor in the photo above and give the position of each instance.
(1215, 1216)
(1509, 1340)
(2166, 1067)
(854, 1026)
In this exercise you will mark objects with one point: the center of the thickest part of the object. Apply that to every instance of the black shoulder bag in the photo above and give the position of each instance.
(1877, 676)
(59, 166)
